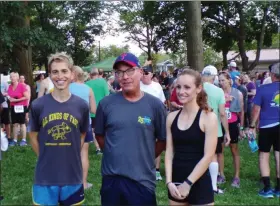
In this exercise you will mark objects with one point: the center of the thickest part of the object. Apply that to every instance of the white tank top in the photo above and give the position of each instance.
(50, 86)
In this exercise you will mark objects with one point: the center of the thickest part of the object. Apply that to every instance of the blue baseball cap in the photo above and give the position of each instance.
(127, 58)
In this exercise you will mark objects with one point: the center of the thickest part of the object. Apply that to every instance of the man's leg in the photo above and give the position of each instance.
(45, 195)
(85, 164)
(220, 157)
(158, 175)
(110, 191)
(276, 146)
(98, 150)
(264, 148)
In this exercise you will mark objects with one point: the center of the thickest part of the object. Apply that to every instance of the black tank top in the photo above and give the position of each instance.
(188, 144)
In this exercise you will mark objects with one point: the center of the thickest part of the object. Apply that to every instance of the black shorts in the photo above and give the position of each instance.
(201, 192)
(18, 118)
(5, 116)
(269, 137)
(219, 148)
(92, 122)
(119, 190)
(233, 132)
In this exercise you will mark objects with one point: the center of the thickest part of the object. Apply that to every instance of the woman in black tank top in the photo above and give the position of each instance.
(191, 143)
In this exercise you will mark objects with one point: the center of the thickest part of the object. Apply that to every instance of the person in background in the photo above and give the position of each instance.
(100, 89)
(18, 97)
(22, 80)
(264, 76)
(110, 82)
(38, 82)
(46, 87)
(267, 109)
(2, 100)
(243, 90)
(216, 100)
(100, 73)
(155, 78)
(233, 72)
(155, 89)
(78, 88)
(235, 113)
(251, 88)
(165, 86)
(191, 142)
(5, 114)
(268, 79)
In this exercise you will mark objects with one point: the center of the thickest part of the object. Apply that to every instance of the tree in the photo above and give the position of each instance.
(194, 35)
(107, 52)
(136, 18)
(249, 21)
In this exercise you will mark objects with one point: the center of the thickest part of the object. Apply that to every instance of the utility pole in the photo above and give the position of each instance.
(99, 56)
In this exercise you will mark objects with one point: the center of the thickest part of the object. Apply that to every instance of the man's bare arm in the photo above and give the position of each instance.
(34, 142)
(42, 89)
(160, 147)
(100, 139)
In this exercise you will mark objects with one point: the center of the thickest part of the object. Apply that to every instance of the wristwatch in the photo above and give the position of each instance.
(188, 182)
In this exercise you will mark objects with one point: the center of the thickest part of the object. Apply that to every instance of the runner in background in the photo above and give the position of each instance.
(100, 89)
(18, 97)
(216, 101)
(46, 87)
(22, 80)
(58, 125)
(2, 100)
(233, 72)
(266, 107)
(191, 142)
(77, 87)
(235, 113)
(155, 89)
(5, 114)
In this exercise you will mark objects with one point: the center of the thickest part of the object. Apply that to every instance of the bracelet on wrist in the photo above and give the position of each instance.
(168, 183)
(188, 182)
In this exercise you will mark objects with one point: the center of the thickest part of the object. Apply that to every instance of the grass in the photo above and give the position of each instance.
(17, 167)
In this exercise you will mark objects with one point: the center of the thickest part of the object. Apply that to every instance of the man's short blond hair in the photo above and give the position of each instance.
(60, 57)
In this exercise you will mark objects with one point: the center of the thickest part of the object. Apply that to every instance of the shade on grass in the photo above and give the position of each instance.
(18, 164)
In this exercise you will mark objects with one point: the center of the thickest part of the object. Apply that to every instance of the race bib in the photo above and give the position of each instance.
(19, 109)
(228, 113)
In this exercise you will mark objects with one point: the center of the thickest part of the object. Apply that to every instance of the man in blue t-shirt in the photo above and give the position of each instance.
(266, 107)
(233, 73)
(58, 124)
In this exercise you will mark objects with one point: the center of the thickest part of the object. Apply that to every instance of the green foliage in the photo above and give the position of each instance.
(54, 26)
(107, 52)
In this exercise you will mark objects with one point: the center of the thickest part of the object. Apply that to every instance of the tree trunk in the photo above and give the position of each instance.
(225, 52)
(23, 53)
(260, 41)
(194, 35)
(241, 37)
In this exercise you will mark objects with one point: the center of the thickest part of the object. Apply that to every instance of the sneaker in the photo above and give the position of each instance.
(12, 143)
(219, 192)
(235, 182)
(23, 143)
(99, 152)
(221, 179)
(267, 194)
(158, 176)
(276, 193)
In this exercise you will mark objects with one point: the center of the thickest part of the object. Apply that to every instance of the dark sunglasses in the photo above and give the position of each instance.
(146, 73)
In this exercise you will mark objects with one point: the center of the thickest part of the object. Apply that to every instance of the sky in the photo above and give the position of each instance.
(119, 40)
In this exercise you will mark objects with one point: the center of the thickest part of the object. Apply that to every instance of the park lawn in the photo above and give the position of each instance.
(17, 170)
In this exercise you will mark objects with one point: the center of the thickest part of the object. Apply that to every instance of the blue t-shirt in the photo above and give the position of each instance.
(59, 126)
(268, 98)
(130, 130)
(233, 75)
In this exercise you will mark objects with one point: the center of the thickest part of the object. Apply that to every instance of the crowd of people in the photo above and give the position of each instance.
(132, 116)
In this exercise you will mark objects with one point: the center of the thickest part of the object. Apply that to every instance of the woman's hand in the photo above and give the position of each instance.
(12, 99)
(184, 190)
(174, 191)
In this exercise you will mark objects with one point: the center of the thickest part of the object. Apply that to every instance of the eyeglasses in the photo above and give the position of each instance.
(146, 73)
(129, 72)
